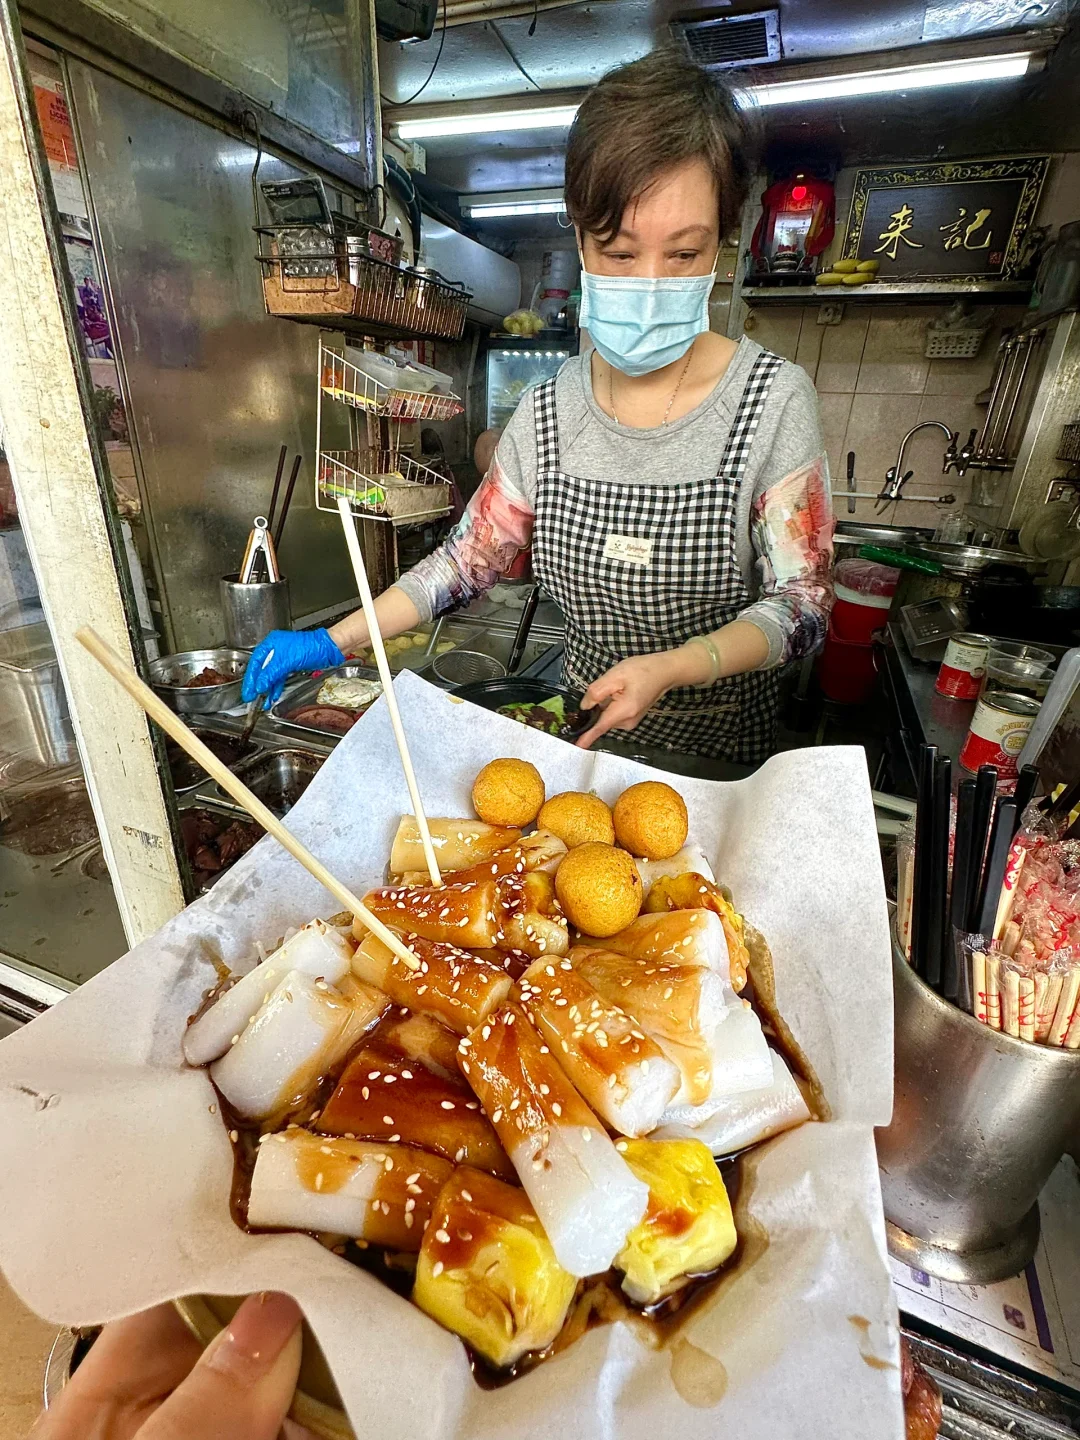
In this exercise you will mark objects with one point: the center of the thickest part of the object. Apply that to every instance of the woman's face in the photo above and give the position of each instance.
(673, 228)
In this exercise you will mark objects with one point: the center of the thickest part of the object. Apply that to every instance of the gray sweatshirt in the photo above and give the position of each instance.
(784, 519)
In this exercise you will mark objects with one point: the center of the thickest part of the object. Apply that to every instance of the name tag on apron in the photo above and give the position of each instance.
(629, 549)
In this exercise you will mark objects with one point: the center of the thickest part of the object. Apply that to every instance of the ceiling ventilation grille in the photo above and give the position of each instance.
(728, 40)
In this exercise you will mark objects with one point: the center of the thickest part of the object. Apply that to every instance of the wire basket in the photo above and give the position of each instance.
(344, 381)
(459, 667)
(325, 284)
(381, 485)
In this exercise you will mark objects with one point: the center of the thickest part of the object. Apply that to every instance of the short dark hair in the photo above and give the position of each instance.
(644, 118)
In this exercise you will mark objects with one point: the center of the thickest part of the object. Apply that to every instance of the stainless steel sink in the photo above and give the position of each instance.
(851, 534)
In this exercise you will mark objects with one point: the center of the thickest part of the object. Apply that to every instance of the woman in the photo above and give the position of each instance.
(672, 483)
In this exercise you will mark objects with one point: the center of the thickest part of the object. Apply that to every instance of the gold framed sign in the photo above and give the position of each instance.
(957, 220)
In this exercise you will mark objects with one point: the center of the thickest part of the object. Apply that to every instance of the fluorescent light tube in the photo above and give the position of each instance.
(883, 81)
(553, 118)
(518, 207)
(888, 81)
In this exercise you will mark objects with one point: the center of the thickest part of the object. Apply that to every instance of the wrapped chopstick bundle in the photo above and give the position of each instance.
(457, 844)
(455, 987)
(688, 1228)
(379, 1193)
(584, 1194)
(303, 1030)
(382, 1096)
(317, 949)
(748, 1118)
(424, 1039)
(623, 1075)
(458, 914)
(538, 851)
(697, 892)
(531, 919)
(677, 1005)
(487, 1270)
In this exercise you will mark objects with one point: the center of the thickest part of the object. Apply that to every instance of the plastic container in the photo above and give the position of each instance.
(846, 671)
(864, 592)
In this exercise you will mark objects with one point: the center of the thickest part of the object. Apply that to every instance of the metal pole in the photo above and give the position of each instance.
(63, 489)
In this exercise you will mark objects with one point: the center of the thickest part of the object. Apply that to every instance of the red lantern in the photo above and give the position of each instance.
(796, 225)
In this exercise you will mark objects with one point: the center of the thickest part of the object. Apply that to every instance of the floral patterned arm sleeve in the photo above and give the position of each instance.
(792, 529)
(495, 529)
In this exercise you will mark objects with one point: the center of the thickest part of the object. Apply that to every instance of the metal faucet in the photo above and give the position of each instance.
(896, 477)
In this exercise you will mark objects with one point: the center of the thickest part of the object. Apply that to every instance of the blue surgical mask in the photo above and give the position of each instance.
(640, 323)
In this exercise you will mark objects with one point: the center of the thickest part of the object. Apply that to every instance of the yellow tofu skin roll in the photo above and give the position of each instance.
(487, 1270)
(688, 1228)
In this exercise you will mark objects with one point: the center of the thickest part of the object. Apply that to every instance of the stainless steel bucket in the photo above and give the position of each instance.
(35, 727)
(251, 611)
(979, 1122)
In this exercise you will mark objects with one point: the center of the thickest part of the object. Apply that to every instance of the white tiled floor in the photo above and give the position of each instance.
(25, 1342)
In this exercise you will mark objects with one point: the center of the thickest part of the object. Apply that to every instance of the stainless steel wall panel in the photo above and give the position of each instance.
(215, 386)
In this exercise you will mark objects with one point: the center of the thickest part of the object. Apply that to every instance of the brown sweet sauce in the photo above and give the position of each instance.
(700, 1378)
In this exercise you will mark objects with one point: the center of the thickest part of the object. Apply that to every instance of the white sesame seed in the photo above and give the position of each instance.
(437, 1269)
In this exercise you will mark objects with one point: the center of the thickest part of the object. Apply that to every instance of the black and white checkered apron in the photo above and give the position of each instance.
(692, 584)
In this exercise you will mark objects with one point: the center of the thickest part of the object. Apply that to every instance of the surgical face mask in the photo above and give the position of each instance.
(639, 323)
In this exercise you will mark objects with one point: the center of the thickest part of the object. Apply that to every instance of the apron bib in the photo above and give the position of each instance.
(641, 568)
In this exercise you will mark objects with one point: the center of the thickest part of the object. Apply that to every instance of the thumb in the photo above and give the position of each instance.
(243, 1385)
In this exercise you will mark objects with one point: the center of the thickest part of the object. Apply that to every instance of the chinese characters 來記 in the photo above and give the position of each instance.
(961, 231)
(902, 221)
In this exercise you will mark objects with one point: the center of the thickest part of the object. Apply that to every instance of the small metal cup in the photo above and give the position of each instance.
(251, 611)
(980, 1119)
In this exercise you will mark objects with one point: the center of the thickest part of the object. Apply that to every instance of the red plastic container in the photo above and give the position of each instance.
(864, 592)
(846, 671)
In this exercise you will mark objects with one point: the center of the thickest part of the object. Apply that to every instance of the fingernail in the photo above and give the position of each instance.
(259, 1332)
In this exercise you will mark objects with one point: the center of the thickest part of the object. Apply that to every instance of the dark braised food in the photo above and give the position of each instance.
(209, 676)
(214, 842)
(50, 821)
(334, 719)
(551, 715)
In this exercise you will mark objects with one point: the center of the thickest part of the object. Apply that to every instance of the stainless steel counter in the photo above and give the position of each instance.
(923, 716)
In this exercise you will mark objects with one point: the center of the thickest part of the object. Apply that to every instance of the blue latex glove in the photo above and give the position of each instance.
(281, 653)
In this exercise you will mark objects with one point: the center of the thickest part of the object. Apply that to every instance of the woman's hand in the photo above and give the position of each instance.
(282, 653)
(631, 688)
(147, 1378)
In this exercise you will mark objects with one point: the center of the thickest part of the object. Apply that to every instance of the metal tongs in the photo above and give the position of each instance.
(260, 541)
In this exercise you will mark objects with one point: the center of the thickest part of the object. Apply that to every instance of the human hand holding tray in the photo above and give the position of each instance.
(115, 1174)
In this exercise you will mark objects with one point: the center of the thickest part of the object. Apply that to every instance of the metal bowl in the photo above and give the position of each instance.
(170, 673)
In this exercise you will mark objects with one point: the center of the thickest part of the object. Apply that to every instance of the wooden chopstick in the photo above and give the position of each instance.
(375, 637)
(171, 723)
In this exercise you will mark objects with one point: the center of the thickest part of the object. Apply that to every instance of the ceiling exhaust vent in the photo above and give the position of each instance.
(724, 41)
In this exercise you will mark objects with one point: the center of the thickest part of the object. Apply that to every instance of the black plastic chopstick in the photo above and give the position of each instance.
(994, 872)
(287, 500)
(920, 886)
(277, 486)
(985, 789)
(939, 872)
(965, 814)
(1025, 790)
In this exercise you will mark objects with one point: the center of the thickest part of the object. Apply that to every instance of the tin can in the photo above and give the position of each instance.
(964, 666)
(999, 728)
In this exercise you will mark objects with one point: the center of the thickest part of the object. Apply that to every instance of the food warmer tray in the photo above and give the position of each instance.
(276, 777)
(304, 693)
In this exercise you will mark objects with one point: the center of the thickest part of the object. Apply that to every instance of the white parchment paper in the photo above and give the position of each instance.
(115, 1175)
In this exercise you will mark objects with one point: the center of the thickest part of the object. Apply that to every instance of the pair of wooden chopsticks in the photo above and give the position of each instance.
(171, 723)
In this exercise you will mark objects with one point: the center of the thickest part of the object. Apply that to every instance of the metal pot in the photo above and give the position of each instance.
(967, 561)
(35, 726)
(979, 1121)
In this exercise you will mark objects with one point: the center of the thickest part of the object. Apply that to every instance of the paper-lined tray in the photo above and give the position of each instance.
(115, 1171)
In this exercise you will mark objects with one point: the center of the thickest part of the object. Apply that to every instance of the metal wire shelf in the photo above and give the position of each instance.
(326, 285)
(344, 381)
(381, 485)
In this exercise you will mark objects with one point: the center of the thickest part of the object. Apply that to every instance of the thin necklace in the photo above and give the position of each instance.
(670, 403)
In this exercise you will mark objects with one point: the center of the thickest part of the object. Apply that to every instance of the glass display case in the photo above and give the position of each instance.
(513, 365)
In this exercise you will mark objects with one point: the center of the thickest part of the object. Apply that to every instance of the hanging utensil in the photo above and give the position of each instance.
(851, 482)
(528, 610)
